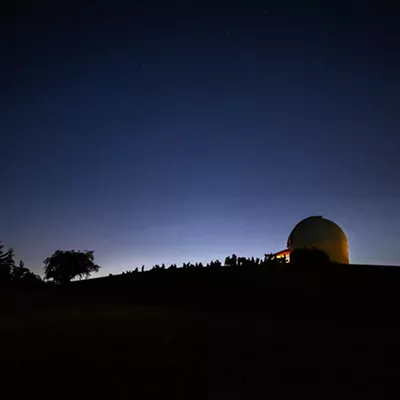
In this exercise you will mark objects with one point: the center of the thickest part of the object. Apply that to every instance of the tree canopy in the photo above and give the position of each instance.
(21, 274)
(11, 273)
(65, 265)
(6, 263)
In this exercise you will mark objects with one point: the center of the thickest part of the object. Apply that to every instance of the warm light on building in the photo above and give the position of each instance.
(283, 254)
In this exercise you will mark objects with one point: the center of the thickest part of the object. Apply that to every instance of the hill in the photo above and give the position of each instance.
(207, 333)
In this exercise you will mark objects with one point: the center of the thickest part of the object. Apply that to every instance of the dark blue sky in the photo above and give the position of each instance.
(189, 131)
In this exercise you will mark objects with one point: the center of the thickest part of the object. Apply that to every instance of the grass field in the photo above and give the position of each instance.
(110, 349)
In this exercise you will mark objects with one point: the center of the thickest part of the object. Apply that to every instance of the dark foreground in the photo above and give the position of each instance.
(77, 346)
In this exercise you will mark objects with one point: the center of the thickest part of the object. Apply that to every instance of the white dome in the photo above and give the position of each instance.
(323, 234)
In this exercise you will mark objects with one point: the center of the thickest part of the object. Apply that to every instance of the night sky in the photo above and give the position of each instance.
(171, 132)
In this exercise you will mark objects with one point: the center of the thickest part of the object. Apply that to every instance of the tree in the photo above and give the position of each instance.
(65, 265)
(19, 272)
(6, 263)
(23, 275)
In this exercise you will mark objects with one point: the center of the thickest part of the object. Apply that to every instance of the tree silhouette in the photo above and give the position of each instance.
(6, 263)
(23, 275)
(19, 272)
(65, 265)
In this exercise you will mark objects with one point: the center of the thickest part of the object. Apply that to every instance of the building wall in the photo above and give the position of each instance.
(321, 234)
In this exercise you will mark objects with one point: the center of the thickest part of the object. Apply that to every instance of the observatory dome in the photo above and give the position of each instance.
(320, 233)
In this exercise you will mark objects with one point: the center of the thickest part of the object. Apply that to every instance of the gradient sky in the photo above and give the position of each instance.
(186, 131)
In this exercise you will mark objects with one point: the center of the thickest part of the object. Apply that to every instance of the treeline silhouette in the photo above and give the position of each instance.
(13, 273)
(307, 267)
(66, 265)
(309, 287)
(308, 292)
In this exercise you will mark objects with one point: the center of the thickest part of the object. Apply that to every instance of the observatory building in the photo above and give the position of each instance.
(318, 233)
